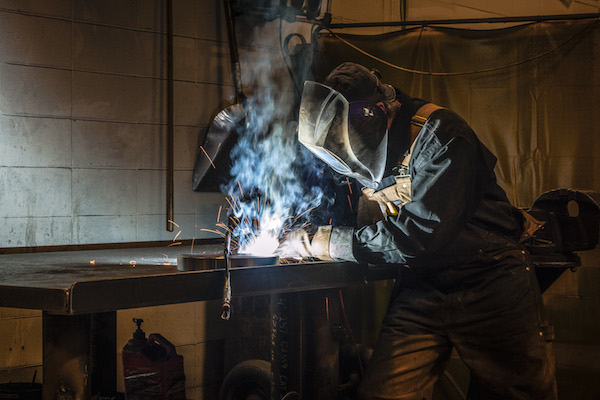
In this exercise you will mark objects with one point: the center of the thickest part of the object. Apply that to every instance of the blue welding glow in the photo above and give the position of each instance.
(269, 188)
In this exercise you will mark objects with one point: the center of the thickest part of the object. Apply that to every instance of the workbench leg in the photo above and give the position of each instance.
(305, 351)
(321, 346)
(286, 345)
(79, 355)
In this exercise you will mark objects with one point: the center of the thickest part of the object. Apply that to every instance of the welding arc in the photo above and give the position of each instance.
(479, 71)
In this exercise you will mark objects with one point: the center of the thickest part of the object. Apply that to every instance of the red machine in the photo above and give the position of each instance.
(152, 368)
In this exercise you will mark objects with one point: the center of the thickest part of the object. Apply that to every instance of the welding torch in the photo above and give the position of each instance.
(226, 308)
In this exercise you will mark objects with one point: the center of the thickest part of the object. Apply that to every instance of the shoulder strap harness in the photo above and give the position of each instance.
(390, 197)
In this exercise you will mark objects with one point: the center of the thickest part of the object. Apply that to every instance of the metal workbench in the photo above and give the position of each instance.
(79, 293)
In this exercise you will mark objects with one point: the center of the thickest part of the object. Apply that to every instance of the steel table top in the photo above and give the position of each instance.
(90, 281)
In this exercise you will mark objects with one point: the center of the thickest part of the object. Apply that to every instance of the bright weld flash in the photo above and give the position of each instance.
(265, 242)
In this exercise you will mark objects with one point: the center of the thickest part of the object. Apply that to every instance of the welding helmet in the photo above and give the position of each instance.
(351, 137)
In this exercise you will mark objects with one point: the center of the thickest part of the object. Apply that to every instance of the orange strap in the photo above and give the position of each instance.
(418, 120)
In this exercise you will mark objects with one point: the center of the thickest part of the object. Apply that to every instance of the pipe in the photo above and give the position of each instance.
(170, 119)
(537, 18)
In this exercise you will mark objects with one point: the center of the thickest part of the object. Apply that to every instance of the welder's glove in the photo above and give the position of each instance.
(326, 244)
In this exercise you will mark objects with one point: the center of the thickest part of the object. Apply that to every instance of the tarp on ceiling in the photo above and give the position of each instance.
(540, 116)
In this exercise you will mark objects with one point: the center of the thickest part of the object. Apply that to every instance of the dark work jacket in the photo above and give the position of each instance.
(458, 211)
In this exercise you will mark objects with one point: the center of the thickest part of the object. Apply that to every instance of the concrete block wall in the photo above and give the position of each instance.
(83, 113)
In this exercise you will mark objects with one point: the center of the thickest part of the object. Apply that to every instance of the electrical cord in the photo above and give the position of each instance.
(413, 71)
(285, 55)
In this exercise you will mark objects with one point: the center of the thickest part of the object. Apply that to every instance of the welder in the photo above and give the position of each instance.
(464, 279)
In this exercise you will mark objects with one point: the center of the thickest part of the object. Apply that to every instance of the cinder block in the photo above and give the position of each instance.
(104, 192)
(152, 54)
(35, 142)
(185, 103)
(185, 144)
(152, 15)
(59, 8)
(30, 42)
(185, 17)
(110, 12)
(214, 62)
(151, 191)
(154, 227)
(35, 90)
(184, 196)
(184, 58)
(213, 25)
(152, 99)
(29, 231)
(105, 49)
(106, 144)
(104, 229)
(6, 313)
(21, 343)
(151, 153)
(188, 352)
(35, 192)
(107, 97)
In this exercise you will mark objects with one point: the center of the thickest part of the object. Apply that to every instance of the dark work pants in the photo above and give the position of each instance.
(492, 314)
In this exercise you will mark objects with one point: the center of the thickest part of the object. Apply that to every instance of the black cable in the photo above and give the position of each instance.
(285, 56)
(413, 71)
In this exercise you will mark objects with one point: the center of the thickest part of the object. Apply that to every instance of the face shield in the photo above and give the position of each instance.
(351, 137)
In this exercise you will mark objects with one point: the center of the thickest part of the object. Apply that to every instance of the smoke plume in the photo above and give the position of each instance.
(276, 183)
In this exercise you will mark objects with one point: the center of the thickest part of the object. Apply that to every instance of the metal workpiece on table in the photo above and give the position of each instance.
(201, 262)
